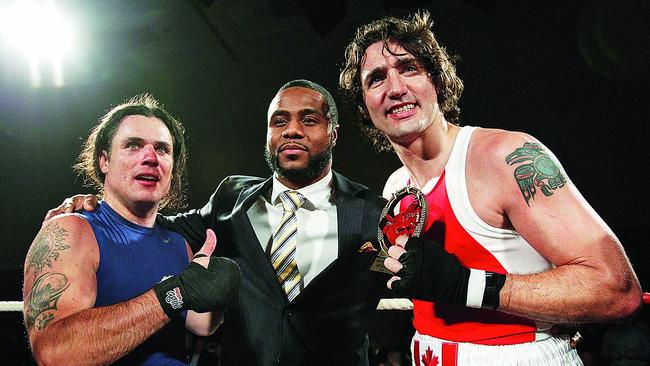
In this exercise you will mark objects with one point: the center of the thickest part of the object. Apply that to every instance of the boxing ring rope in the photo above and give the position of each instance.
(384, 304)
(11, 306)
(395, 304)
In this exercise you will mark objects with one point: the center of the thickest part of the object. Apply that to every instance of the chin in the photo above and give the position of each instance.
(147, 199)
(293, 165)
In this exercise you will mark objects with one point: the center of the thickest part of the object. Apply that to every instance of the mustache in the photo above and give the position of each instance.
(304, 147)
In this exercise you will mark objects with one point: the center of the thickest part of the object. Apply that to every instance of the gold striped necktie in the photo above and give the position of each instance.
(283, 250)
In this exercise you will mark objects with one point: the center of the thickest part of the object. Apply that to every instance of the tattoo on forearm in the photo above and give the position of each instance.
(539, 170)
(43, 298)
(47, 246)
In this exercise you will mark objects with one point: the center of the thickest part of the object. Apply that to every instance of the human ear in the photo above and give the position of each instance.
(103, 161)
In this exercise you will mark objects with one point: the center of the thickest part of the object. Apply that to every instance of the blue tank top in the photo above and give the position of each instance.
(132, 259)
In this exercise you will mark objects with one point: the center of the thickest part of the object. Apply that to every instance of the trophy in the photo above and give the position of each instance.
(409, 222)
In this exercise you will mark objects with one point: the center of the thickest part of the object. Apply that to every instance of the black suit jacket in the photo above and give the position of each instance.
(327, 322)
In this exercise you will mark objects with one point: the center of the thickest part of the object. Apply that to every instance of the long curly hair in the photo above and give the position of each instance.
(414, 33)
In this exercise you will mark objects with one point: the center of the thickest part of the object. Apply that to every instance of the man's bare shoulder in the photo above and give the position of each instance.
(75, 225)
(509, 165)
(494, 145)
(64, 236)
(519, 164)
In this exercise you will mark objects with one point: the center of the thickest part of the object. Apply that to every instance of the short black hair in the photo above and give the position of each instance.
(332, 113)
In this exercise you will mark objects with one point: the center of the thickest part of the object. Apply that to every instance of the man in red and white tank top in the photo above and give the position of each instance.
(510, 247)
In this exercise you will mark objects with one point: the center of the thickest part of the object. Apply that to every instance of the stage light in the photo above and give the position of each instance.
(38, 31)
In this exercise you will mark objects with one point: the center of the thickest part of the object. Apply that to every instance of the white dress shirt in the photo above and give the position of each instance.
(317, 237)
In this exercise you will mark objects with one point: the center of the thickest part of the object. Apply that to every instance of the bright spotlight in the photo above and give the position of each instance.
(41, 34)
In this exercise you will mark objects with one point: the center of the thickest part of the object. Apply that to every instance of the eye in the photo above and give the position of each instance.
(163, 150)
(374, 79)
(410, 68)
(132, 145)
(279, 122)
(309, 120)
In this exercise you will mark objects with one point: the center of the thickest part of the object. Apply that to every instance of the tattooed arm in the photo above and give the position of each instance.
(522, 185)
(59, 294)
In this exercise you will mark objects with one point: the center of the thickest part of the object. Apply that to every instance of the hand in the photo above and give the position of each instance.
(392, 261)
(425, 271)
(71, 204)
(208, 283)
(202, 257)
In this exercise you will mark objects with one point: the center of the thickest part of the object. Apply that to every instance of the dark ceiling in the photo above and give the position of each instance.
(573, 74)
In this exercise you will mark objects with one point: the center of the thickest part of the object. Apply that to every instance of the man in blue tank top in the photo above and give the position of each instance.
(326, 322)
(110, 286)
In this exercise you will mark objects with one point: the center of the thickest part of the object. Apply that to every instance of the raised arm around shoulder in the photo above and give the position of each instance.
(71, 204)
(592, 279)
(193, 223)
(59, 294)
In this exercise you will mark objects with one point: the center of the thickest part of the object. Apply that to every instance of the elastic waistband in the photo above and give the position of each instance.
(554, 351)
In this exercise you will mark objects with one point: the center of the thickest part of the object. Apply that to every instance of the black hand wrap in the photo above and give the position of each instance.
(201, 289)
(430, 273)
(493, 284)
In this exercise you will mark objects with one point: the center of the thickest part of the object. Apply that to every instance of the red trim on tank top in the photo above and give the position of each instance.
(459, 323)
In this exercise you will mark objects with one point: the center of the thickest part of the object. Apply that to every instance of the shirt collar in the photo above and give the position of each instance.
(318, 193)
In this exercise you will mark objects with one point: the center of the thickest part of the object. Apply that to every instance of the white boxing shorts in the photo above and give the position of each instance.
(553, 351)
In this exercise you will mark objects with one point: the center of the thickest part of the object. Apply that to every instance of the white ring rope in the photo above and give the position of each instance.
(11, 306)
(384, 304)
(395, 304)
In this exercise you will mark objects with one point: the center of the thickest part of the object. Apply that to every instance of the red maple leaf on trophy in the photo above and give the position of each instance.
(428, 359)
(404, 223)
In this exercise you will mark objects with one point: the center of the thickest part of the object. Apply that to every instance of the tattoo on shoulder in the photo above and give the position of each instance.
(43, 298)
(536, 169)
(46, 248)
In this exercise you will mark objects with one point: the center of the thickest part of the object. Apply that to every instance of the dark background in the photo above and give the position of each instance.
(573, 74)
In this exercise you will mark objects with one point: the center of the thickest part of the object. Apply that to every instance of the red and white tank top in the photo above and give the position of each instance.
(453, 222)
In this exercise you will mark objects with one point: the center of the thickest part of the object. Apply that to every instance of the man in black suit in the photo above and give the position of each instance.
(327, 322)
(335, 293)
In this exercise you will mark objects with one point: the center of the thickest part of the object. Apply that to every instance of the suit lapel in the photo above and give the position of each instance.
(349, 218)
(251, 248)
(349, 213)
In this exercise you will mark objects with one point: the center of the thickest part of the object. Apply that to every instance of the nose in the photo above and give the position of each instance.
(149, 156)
(293, 130)
(395, 86)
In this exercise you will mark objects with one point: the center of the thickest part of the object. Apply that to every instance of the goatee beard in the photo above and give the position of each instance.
(315, 166)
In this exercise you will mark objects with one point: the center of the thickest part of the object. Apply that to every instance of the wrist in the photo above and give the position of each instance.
(171, 296)
(484, 288)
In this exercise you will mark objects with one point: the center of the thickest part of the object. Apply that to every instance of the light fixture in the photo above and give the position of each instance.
(38, 31)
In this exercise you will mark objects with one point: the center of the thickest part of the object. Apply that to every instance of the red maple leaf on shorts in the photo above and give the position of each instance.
(428, 359)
